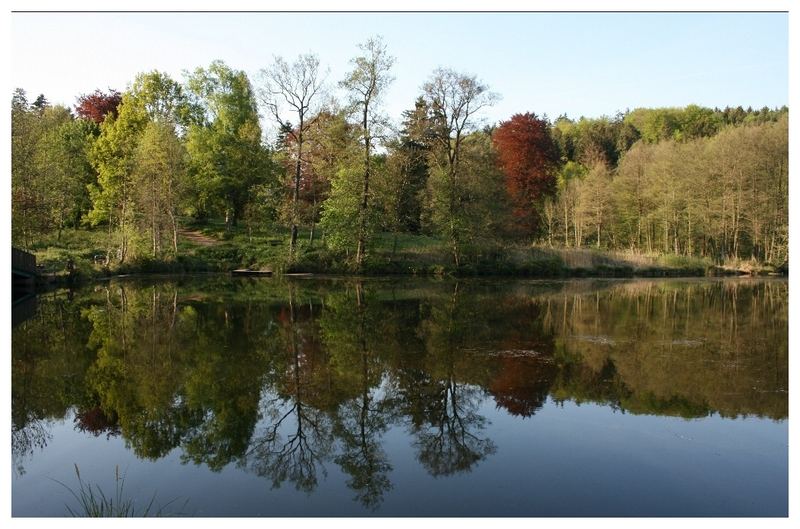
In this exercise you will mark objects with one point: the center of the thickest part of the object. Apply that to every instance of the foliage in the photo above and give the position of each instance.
(342, 207)
(227, 157)
(143, 165)
(49, 170)
(529, 158)
(454, 99)
(153, 97)
(97, 105)
(294, 90)
(408, 167)
(159, 184)
(479, 215)
(331, 143)
(366, 84)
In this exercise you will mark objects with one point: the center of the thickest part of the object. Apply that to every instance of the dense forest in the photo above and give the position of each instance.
(136, 167)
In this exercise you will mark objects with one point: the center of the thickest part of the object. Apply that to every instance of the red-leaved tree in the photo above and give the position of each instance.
(97, 105)
(529, 159)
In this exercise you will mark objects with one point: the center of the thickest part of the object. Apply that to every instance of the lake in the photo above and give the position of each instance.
(219, 396)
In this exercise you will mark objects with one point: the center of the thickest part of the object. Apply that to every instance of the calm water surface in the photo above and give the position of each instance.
(331, 397)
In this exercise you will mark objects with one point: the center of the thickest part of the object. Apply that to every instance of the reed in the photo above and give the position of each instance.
(93, 502)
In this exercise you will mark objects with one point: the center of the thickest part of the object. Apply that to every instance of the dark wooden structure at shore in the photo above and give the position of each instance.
(23, 273)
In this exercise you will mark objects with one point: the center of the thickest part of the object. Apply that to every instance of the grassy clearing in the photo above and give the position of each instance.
(78, 247)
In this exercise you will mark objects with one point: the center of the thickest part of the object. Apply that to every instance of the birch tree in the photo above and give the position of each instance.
(365, 85)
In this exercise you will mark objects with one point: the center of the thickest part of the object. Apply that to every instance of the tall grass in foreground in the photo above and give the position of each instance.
(94, 503)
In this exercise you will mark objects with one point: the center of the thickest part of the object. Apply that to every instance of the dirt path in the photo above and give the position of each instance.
(197, 237)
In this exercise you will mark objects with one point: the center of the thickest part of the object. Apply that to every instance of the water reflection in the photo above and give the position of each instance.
(285, 379)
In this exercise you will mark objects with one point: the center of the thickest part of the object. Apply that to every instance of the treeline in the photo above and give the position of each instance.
(691, 181)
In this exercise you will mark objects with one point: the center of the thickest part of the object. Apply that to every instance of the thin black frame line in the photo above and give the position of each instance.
(173, 11)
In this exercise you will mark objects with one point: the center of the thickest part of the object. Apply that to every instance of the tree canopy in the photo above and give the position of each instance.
(292, 152)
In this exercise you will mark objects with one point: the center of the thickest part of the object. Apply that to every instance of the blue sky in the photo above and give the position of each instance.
(548, 63)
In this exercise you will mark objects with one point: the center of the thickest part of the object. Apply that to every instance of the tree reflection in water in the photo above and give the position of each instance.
(446, 441)
(349, 327)
(440, 401)
(284, 378)
(298, 436)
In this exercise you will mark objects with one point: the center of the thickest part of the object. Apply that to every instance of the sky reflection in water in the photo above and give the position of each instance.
(387, 397)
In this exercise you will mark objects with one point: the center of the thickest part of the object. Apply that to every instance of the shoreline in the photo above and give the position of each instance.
(74, 260)
(61, 280)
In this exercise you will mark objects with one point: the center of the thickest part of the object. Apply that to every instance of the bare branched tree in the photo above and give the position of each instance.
(455, 99)
(294, 91)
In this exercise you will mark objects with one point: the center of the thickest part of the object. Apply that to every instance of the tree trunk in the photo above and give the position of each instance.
(60, 223)
(293, 242)
(639, 232)
(599, 224)
(455, 252)
(174, 232)
(153, 232)
(736, 227)
(362, 218)
(124, 245)
(689, 245)
(296, 197)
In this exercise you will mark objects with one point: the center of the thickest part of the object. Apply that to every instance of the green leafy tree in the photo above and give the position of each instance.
(594, 200)
(699, 122)
(483, 209)
(159, 182)
(631, 201)
(225, 148)
(153, 97)
(365, 85)
(50, 170)
(569, 181)
(455, 100)
(28, 211)
(331, 144)
(655, 124)
(343, 206)
(63, 167)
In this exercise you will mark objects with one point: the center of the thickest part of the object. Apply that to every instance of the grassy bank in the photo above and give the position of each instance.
(80, 255)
